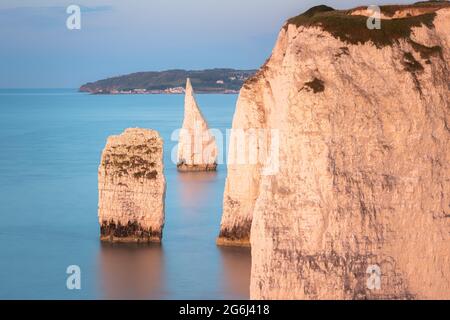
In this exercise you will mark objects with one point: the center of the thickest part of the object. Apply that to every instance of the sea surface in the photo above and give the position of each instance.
(50, 146)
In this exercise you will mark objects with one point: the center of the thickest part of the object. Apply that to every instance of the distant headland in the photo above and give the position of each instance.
(171, 82)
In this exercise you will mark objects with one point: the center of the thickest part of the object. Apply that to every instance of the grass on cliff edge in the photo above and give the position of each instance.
(353, 29)
(390, 10)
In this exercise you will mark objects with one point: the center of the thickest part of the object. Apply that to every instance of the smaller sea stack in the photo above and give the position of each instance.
(197, 149)
(131, 187)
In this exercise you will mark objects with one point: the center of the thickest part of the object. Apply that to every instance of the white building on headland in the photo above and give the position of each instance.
(176, 90)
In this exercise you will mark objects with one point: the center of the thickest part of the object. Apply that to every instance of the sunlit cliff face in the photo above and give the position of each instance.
(363, 181)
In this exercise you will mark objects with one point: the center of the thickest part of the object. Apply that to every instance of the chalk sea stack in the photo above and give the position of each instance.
(364, 158)
(197, 149)
(131, 187)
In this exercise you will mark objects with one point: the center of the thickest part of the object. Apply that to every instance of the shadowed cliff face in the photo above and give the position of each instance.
(364, 177)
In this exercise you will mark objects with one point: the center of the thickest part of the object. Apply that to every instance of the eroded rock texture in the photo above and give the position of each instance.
(364, 153)
(132, 187)
(197, 149)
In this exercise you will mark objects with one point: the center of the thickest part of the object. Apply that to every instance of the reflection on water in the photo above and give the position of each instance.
(236, 264)
(195, 186)
(131, 271)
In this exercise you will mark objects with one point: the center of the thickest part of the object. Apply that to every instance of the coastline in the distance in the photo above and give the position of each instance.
(225, 81)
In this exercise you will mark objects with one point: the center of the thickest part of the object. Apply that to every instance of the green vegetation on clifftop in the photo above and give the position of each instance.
(353, 28)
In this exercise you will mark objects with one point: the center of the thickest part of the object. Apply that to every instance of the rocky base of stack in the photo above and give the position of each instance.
(237, 236)
(182, 167)
(132, 232)
(231, 242)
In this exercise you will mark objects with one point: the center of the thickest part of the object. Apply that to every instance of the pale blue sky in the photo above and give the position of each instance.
(119, 37)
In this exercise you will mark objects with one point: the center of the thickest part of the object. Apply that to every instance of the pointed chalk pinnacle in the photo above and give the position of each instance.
(197, 149)
(189, 89)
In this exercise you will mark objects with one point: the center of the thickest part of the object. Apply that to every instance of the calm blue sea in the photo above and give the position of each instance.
(50, 147)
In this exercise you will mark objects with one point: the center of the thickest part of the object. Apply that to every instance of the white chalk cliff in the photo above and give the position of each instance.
(362, 189)
(131, 187)
(197, 149)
